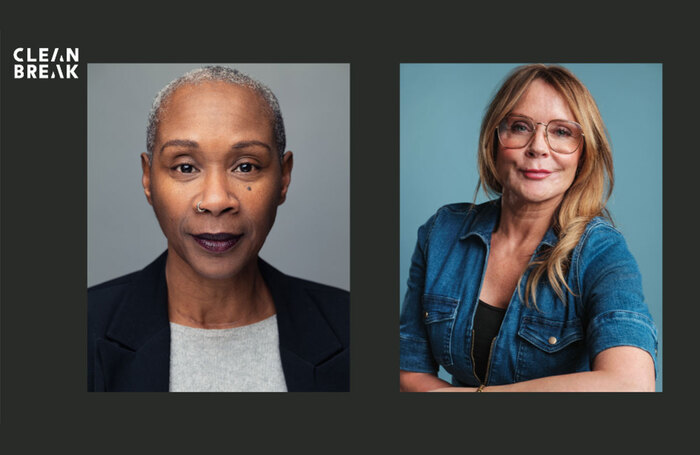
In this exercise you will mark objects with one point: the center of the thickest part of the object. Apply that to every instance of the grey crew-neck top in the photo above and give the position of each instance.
(241, 359)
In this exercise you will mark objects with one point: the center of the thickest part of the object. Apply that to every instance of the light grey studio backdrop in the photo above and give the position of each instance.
(311, 236)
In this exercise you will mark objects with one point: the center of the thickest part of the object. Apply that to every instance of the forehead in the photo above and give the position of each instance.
(214, 104)
(542, 102)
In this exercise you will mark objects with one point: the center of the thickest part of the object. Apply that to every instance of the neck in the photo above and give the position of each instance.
(525, 223)
(201, 302)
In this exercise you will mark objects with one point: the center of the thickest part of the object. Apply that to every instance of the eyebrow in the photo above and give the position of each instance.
(550, 120)
(246, 144)
(179, 143)
(194, 144)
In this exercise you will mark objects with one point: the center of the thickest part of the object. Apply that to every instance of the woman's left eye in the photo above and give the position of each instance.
(563, 132)
(245, 168)
(185, 168)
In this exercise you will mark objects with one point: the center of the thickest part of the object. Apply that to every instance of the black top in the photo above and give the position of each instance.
(487, 323)
(129, 332)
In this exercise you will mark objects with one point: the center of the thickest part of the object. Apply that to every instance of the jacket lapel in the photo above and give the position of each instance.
(305, 337)
(135, 354)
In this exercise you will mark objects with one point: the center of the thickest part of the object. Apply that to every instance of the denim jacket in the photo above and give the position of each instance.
(606, 309)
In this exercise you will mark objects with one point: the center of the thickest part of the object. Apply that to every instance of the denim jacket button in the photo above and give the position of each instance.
(426, 315)
(552, 340)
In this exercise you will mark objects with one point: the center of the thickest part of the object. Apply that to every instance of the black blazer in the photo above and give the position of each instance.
(129, 332)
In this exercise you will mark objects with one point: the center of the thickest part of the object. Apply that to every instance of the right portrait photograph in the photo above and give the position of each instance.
(531, 219)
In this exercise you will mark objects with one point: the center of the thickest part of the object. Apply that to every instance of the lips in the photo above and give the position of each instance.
(217, 243)
(536, 174)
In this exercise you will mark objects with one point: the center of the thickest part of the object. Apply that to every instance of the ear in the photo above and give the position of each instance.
(146, 176)
(287, 163)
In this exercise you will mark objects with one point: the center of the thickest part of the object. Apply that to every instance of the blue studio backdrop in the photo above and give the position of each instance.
(442, 106)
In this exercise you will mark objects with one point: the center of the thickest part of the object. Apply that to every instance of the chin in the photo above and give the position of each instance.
(217, 272)
(224, 267)
(532, 198)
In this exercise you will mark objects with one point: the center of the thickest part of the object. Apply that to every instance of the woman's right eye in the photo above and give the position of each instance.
(520, 127)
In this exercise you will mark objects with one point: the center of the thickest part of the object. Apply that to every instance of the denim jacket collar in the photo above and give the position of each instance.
(486, 220)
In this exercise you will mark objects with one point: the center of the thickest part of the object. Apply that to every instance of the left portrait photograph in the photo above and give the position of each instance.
(218, 227)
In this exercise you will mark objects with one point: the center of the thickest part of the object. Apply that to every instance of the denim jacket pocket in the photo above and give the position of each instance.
(439, 317)
(548, 347)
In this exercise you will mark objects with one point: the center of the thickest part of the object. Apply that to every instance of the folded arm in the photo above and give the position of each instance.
(410, 381)
(618, 369)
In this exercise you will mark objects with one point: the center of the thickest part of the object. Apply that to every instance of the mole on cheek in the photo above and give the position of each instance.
(248, 188)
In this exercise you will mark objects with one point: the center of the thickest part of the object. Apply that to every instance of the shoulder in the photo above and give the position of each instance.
(600, 226)
(600, 236)
(332, 302)
(327, 298)
(461, 211)
(454, 220)
(455, 211)
(602, 255)
(111, 288)
(104, 298)
(298, 295)
(324, 293)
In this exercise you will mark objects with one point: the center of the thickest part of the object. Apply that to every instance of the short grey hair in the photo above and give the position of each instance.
(215, 74)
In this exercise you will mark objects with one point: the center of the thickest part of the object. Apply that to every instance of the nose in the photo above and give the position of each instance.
(217, 195)
(538, 144)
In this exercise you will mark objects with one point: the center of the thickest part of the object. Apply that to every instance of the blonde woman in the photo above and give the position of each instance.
(534, 290)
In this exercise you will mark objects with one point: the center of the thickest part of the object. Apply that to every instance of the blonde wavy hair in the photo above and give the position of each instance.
(588, 194)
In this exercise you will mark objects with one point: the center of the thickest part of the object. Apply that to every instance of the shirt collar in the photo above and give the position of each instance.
(485, 220)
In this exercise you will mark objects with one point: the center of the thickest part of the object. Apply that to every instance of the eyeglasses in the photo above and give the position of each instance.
(563, 136)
